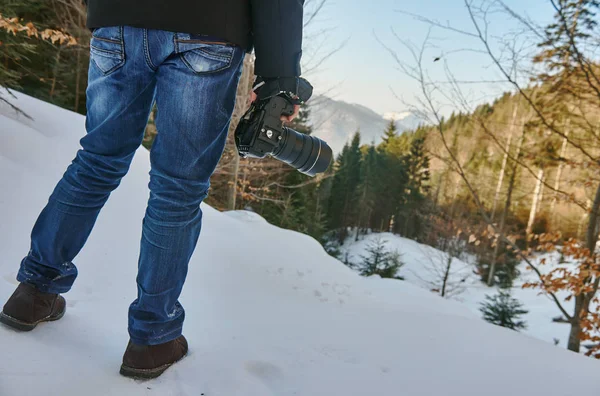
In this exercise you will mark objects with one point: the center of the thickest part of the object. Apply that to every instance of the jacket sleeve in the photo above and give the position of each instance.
(277, 36)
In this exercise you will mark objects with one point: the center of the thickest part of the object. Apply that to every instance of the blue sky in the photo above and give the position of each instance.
(364, 72)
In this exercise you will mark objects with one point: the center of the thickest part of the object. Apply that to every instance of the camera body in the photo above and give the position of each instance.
(261, 133)
(261, 130)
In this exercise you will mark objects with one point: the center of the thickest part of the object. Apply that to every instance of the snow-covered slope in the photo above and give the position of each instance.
(268, 311)
(424, 266)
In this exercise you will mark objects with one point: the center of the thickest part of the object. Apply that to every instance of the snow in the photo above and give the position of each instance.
(268, 311)
(420, 263)
(396, 116)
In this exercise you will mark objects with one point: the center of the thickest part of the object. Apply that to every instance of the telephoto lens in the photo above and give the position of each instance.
(261, 133)
(308, 154)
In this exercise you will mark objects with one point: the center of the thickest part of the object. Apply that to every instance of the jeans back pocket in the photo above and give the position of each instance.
(204, 55)
(107, 50)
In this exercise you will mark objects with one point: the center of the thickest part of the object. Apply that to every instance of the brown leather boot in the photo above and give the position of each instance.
(150, 361)
(28, 307)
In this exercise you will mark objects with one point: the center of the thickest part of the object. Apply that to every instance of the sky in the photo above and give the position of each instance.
(364, 72)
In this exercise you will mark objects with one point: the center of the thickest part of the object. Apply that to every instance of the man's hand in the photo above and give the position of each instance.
(283, 118)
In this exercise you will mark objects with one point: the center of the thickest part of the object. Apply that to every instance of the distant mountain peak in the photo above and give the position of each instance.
(336, 121)
(395, 116)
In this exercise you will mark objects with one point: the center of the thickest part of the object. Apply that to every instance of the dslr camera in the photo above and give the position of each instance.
(261, 133)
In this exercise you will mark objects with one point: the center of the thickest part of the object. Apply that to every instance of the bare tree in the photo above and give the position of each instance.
(504, 162)
(567, 74)
(446, 274)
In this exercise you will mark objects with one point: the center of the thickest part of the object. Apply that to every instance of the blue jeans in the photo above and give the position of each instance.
(193, 82)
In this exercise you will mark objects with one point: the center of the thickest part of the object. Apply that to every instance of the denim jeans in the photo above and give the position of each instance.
(193, 81)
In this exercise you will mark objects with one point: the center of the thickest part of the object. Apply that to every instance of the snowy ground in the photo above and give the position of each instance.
(269, 312)
(422, 262)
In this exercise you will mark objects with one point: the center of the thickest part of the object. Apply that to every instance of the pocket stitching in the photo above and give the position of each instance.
(110, 40)
(226, 59)
(112, 54)
(119, 55)
(107, 40)
(112, 69)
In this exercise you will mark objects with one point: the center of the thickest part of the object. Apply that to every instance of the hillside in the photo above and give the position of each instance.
(424, 266)
(336, 121)
(479, 141)
(264, 318)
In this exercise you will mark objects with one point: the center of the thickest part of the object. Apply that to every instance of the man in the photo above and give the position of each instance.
(186, 56)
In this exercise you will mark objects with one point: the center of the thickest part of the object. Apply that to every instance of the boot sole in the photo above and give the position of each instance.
(24, 326)
(134, 373)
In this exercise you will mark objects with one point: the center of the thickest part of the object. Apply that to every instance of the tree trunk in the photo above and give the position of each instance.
(538, 207)
(580, 225)
(574, 343)
(535, 201)
(454, 197)
(232, 193)
(241, 105)
(559, 170)
(582, 301)
(592, 229)
(501, 178)
(446, 275)
(77, 80)
(55, 72)
(78, 69)
(438, 189)
(504, 162)
(511, 187)
(244, 183)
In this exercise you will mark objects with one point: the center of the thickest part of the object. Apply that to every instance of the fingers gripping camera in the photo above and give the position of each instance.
(261, 132)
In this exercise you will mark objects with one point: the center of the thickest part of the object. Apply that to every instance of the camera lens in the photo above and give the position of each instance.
(307, 154)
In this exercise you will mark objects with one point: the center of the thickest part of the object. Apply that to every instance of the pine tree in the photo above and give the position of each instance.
(391, 180)
(380, 262)
(352, 170)
(417, 188)
(337, 194)
(342, 210)
(367, 189)
(390, 133)
(503, 310)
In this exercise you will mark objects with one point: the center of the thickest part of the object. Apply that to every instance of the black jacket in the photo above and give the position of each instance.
(272, 27)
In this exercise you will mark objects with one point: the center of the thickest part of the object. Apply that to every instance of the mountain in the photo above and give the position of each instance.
(404, 120)
(268, 311)
(335, 121)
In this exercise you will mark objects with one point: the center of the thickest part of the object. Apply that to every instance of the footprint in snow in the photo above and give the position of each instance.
(269, 374)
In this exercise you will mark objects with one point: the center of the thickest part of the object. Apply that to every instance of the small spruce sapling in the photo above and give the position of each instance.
(503, 310)
(380, 261)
